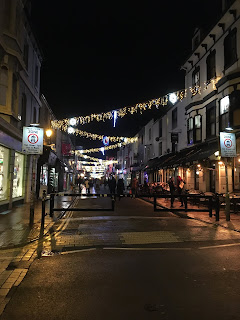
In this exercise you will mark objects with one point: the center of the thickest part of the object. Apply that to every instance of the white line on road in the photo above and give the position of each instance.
(80, 250)
(145, 249)
(220, 246)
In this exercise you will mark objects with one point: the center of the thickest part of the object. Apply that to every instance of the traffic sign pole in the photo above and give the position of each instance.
(32, 200)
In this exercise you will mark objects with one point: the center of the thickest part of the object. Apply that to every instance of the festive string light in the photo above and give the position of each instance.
(122, 112)
(92, 150)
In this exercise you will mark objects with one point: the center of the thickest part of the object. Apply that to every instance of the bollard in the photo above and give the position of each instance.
(210, 207)
(113, 203)
(185, 202)
(43, 209)
(51, 205)
(217, 207)
(155, 203)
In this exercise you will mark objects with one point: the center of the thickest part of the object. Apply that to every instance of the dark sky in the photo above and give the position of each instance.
(101, 55)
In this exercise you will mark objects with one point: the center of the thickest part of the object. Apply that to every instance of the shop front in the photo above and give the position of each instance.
(4, 173)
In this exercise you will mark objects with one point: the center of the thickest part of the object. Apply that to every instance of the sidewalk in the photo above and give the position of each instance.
(233, 224)
(14, 224)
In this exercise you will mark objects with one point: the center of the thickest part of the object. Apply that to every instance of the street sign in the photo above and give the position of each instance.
(228, 144)
(32, 142)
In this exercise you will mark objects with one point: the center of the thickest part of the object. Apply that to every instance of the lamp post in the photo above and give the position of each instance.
(49, 134)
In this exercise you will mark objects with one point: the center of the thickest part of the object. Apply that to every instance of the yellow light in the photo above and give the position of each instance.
(220, 163)
(49, 133)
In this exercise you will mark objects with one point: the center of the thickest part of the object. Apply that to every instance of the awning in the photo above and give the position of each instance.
(204, 152)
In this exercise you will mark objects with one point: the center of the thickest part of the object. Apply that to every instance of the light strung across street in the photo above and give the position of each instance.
(172, 97)
(92, 150)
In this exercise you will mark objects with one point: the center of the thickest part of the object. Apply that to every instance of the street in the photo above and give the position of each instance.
(131, 263)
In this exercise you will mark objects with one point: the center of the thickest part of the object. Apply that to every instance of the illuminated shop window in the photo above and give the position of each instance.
(4, 167)
(18, 175)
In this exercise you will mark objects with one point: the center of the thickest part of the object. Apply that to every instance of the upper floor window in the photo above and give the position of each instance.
(196, 77)
(25, 54)
(230, 48)
(150, 134)
(194, 129)
(160, 149)
(34, 115)
(3, 85)
(174, 118)
(14, 93)
(190, 130)
(24, 110)
(211, 65)
(211, 122)
(160, 128)
(36, 76)
(223, 113)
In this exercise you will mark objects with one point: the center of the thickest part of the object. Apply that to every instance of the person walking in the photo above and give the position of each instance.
(120, 188)
(172, 189)
(134, 187)
(112, 184)
(87, 186)
(180, 186)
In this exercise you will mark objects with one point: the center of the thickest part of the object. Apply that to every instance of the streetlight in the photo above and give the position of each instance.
(49, 134)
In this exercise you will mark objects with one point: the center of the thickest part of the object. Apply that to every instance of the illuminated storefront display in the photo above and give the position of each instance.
(4, 165)
(18, 175)
(44, 175)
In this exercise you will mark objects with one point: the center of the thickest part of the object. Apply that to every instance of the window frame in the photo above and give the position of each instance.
(211, 65)
(230, 48)
(174, 118)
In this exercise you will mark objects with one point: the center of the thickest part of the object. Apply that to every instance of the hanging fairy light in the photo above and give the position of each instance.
(114, 118)
(173, 98)
(70, 130)
(72, 122)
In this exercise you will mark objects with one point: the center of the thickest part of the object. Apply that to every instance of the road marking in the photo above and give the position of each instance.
(220, 246)
(145, 249)
(120, 218)
(80, 250)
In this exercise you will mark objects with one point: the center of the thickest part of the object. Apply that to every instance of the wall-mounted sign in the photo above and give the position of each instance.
(32, 142)
(174, 137)
(228, 144)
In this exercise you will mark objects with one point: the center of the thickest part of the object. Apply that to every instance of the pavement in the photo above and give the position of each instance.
(20, 245)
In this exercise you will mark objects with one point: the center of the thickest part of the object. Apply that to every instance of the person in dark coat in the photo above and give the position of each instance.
(180, 186)
(120, 188)
(112, 184)
(172, 189)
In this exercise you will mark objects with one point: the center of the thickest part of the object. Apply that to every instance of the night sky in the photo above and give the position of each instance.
(100, 55)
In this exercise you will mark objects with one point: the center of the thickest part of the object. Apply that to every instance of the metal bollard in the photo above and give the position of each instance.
(51, 205)
(113, 203)
(217, 207)
(155, 203)
(43, 209)
(210, 207)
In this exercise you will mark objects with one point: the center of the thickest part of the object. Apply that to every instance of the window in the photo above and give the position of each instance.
(197, 128)
(150, 134)
(174, 118)
(25, 54)
(141, 139)
(230, 48)
(14, 93)
(190, 130)
(36, 76)
(24, 110)
(223, 113)
(34, 115)
(211, 122)
(160, 128)
(196, 77)
(211, 65)
(3, 85)
(160, 149)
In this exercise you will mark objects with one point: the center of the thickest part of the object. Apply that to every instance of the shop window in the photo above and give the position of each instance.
(18, 175)
(4, 168)
(160, 128)
(224, 114)
(190, 130)
(3, 85)
(211, 65)
(44, 175)
(174, 118)
(230, 48)
(211, 122)
(197, 128)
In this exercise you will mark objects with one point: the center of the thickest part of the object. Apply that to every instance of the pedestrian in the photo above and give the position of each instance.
(180, 186)
(120, 187)
(172, 189)
(134, 187)
(87, 186)
(112, 184)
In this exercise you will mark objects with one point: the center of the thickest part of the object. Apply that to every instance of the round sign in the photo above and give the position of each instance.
(106, 141)
(228, 143)
(33, 138)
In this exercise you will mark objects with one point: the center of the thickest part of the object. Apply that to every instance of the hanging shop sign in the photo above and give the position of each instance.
(228, 144)
(32, 142)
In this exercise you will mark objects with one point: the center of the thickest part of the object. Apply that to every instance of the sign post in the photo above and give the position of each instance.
(228, 150)
(32, 144)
